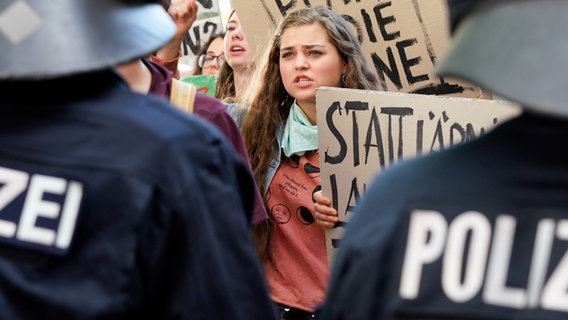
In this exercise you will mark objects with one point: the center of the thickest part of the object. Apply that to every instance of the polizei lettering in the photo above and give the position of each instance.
(37, 210)
(474, 255)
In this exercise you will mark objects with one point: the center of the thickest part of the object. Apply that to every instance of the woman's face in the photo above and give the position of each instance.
(308, 60)
(238, 52)
(214, 58)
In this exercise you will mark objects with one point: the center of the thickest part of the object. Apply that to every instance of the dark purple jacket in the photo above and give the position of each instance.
(212, 110)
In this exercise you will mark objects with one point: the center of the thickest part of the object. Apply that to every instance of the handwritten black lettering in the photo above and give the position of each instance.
(383, 21)
(200, 34)
(335, 132)
(207, 4)
(407, 63)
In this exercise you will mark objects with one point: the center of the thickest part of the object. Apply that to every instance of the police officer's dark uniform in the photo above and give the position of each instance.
(113, 205)
(479, 231)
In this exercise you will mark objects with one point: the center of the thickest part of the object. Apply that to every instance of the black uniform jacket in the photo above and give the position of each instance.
(116, 205)
(478, 231)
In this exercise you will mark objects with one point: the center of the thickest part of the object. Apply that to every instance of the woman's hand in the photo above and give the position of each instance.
(326, 215)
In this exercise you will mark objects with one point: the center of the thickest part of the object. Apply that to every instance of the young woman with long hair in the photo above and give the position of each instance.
(311, 47)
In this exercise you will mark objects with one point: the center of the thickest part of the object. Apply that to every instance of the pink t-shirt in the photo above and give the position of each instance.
(300, 272)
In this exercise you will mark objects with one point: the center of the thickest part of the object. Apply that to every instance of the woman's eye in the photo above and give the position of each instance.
(314, 53)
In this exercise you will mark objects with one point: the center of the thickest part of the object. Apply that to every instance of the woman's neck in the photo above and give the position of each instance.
(242, 78)
(309, 110)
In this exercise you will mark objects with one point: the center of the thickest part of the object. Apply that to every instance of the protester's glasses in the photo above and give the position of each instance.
(205, 60)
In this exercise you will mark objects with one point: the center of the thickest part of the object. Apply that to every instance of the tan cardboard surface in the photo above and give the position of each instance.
(208, 23)
(402, 38)
(362, 133)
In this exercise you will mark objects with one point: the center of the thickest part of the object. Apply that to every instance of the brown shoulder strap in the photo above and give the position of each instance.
(182, 95)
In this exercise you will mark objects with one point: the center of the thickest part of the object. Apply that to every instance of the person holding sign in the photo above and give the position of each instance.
(182, 13)
(479, 230)
(114, 204)
(311, 48)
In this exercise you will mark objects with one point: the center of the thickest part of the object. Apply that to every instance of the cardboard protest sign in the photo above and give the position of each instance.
(402, 38)
(207, 24)
(361, 133)
(204, 83)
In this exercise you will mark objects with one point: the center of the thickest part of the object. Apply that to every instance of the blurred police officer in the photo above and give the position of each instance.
(479, 231)
(113, 204)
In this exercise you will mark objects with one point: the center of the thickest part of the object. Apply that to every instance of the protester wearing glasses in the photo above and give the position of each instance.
(211, 57)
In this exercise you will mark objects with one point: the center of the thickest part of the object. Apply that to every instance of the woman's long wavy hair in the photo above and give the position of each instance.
(269, 103)
(225, 86)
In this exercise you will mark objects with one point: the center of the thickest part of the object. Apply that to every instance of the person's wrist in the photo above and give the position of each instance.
(159, 57)
(179, 38)
(170, 64)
